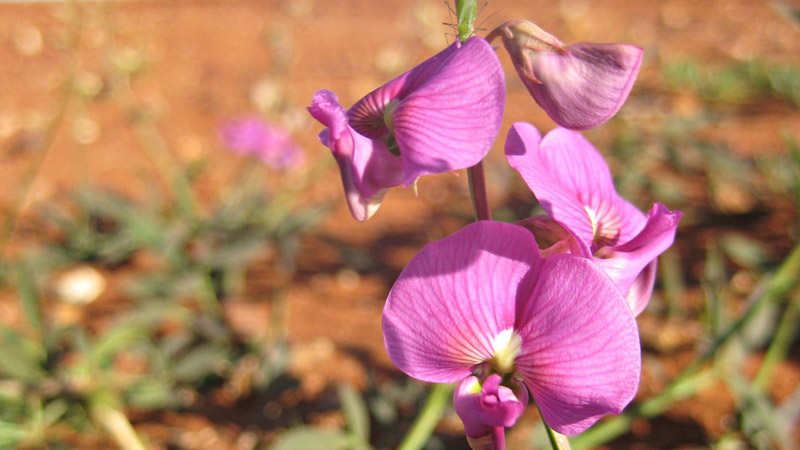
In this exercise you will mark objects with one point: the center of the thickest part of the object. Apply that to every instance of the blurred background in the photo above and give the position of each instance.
(179, 269)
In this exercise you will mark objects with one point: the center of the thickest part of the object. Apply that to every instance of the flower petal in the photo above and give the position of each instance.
(451, 121)
(572, 182)
(580, 356)
(455, 297)
(367, 115)
(585, 86)
(367, 167)
(624, 263)
(491, 406)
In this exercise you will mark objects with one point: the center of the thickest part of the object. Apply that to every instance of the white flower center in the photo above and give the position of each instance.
(506, 346)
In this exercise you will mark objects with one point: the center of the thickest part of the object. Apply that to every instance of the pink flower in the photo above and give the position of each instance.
(488, 407)
(580, 86)
(440, 116)
(270, 144)
(484, 299)
(574, 186)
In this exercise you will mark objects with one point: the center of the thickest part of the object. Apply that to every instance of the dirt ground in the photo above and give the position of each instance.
(198, 63)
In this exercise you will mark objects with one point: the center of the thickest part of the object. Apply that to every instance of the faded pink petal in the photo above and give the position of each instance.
(580, 354)
(491, 406)
(580, 86)
(454, 297)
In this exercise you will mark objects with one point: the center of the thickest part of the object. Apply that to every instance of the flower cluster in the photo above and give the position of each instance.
(543, 308)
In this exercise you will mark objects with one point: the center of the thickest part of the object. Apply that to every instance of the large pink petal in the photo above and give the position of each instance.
(455, 297)
(586, 85)
(624, 263)
(572, 183)
(451, 121)
(367, 115)
(580, 355)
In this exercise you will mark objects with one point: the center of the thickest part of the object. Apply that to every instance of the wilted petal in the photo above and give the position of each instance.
(585, 86)
(455, 297)
(483, 407)
(580, 356)
(624, 263)
(580, 86)
(572, 182)
(451, 121)
(366, 165)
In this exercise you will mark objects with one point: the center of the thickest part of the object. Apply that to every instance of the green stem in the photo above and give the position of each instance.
(25, 185)
(557, 441)
(438, 399)
(779, 347)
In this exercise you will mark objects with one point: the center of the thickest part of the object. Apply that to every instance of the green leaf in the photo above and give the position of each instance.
(11, 434)
(22, 357)
(313, 439)
(29, 297)
(200, 363)
(355, 411)
(743, 250)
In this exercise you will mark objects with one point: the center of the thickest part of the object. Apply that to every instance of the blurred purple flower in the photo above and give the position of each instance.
(252, 136)
(581, 85)
(484, 299)
(586, 215)
(440, 116)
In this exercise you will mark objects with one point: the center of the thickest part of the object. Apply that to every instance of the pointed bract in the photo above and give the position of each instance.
(580, 86)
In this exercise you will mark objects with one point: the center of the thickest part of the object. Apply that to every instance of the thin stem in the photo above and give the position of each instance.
(24, 187)
(477, 191)
(438, 398)
(557, 441)
(116, 424)
(781, 343)
(499, 438)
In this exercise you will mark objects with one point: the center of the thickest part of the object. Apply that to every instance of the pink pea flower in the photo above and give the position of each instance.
(440, 116)
(580, 86)
(487, 409)
(586, 215)
(252, 136)
(484, 299)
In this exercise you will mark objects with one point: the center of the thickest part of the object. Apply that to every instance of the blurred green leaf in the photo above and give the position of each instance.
(150, 394)
(355, 411)
(29, 297)
(313, 439)
(120, 337)
(22, 357)
(199, 363)
(11, 434)
(744, 251)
